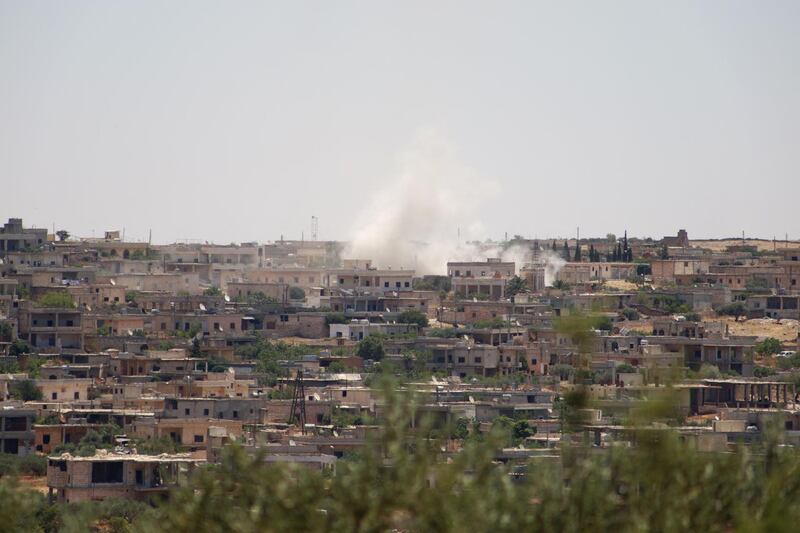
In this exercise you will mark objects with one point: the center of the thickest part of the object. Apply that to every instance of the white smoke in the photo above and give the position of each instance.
(423, 217)
(552, 264)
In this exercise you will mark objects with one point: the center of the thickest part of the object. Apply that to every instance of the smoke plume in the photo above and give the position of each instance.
(423, 217)
(430, 213)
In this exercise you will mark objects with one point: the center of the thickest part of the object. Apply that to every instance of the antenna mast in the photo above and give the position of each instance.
(298, 409)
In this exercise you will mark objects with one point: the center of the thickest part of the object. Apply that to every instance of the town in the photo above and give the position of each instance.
(129, 366)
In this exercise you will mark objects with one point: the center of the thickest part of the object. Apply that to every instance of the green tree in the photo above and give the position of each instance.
(521, 430)
(6, 332)
(515, 286)
(412, 316)
(769, 346)
(62, 235)
(561, 285)
(335, 318)
(212, 291)
(371, 347)
(195, 351)
(297, 293)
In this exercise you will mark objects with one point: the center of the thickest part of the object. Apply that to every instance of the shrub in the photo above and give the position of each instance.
(156, 446)
(30, 465)
(630, 313)
(709, 372)
(763, 371)
(60, 300)
(734, 309)
(297, 293)
(25, 390)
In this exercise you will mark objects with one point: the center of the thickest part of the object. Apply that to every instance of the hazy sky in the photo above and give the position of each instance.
(235, 121)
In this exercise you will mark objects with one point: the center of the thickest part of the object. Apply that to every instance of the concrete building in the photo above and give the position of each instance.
(16, 430)
(359, 329)
(108, 475)
(14, 237)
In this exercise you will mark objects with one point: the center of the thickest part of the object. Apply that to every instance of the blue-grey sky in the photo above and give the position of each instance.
(235, 121)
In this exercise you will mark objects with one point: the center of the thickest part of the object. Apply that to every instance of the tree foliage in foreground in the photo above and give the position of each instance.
(404, 481)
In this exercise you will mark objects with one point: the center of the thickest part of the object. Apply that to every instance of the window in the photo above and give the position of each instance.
(407, 284)
(232, 325)
(386, 284)
(478, 360)
(198, 438)
(46, 439)
(16, 423)
(187, 411)
(54, 396)
(107, 472)
(461, 360)
(77, 396)
(236, 414)
(205, 412)
(344, 394)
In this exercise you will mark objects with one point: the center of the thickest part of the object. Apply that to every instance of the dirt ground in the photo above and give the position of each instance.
(621, 285)
(37, 483)
(763, 245)
(784, 331)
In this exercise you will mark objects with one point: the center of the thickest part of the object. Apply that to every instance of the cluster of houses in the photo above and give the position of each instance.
(160, 343)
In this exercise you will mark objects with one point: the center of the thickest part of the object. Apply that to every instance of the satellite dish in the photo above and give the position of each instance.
(112, 281)
(227, 298)
(130, 332)
(475, 300)
(202, 307)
